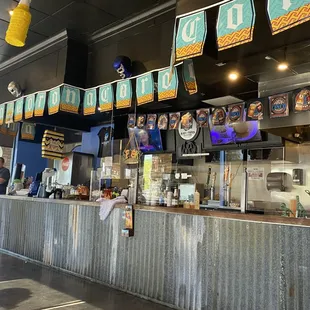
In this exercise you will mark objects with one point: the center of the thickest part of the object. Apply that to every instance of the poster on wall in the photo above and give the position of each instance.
(255, 173)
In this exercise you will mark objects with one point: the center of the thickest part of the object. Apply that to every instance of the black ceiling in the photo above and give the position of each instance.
(82, 16)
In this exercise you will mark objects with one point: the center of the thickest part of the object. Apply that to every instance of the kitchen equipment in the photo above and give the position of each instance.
(298, 176)
(46, 187)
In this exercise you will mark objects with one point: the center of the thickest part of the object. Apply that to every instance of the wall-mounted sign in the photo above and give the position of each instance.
(279, 106)
(285, 14)
(106, 98)
(39, 106)
(191, 36)
(29, 106)
(54, 100)
(70, 99)
(235, 24)
(123, 94)
(188, 128)
(167, 89)
(90, 101)
(9, 115)
(19, 107)
(145, 88)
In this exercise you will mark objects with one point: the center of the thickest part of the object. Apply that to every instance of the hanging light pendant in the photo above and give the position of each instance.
(16, 34)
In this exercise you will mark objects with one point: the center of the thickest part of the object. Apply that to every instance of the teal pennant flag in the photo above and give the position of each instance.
(285, 14)
(145, 89)
(29, 106)
(90, 101)
(19, 107)
(106, 98)
(235, 23)
(40, 103)
(167, 88)
(54, 100)
(191, 36)
(70, 99)
(123, 94)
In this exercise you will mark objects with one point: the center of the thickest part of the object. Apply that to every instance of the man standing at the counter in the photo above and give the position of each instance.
(4, 177)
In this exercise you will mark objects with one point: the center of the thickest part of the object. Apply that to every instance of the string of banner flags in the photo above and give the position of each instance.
(235, 25)
(68, 98)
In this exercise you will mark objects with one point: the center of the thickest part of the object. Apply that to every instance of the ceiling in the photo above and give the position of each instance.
(82, 16)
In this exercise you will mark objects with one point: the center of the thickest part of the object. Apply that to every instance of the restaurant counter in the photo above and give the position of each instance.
(188, 259)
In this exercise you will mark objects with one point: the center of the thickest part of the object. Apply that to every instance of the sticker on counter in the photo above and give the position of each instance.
(256, 174)
(218, 116)
(255, 111)
(202, 117)
(279, 106)
(235, 113)
(141, 121)
(162, 123)
(131, 121)
(151, 121)
(174, 120)
(302, 100)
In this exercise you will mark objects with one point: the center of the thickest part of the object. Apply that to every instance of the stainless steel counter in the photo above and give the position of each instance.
(187, 261)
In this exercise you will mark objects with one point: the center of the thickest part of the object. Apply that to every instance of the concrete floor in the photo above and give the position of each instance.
(27, 286)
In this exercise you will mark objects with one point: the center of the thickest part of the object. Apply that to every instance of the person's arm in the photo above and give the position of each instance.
(2, 180)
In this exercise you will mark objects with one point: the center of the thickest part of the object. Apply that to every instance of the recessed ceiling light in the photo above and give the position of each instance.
(233, 76)
(282, 66)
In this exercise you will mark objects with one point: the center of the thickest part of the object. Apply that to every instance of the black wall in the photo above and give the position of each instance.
(148, 45)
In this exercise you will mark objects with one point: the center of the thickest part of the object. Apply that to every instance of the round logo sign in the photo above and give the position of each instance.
(188, 128)
(279, 106)
(235, 113)
(65, 164)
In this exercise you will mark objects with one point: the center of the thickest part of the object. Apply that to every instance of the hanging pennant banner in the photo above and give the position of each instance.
(106, 98)
(4, 129)
(12, 129)
(9, 115)
(54, 100)
(167, 90)
(53, 145)
(90, 101)
(28, 131)
(145, 89)
(19, 107)
(235, 24)
(189, 77)
(285, 14)
(70, 99)
(2, 113)
(29, 106)
(123, 94)
(39, 106)
(191, 36)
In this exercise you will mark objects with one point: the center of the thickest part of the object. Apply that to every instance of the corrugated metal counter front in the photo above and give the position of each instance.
(186, 261)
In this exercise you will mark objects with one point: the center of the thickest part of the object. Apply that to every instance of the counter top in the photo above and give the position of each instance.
(248, 217)
(59, 201)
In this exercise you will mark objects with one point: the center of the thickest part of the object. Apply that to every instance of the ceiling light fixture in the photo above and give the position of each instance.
(282, 66)
(233, 76)
(11, 12)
